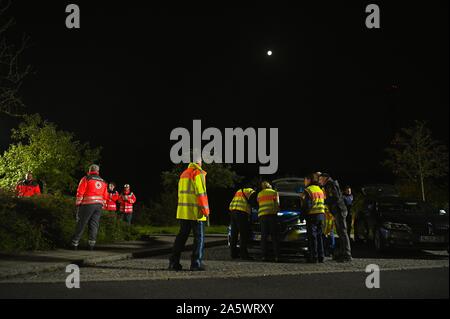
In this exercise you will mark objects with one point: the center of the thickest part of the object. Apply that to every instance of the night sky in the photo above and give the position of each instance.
(134, 72)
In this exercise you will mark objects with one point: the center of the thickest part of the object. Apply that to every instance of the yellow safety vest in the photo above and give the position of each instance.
(240, 200)
(318, 199)
(267, 202)
(192, 197)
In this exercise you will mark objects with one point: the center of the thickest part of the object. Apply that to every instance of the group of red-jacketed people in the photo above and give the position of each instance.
(94, 198)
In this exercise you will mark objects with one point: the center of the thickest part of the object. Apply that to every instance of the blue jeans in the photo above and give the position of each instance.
(315, 236)
(198, 230)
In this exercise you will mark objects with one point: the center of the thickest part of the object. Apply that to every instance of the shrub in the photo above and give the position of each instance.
(48, 222)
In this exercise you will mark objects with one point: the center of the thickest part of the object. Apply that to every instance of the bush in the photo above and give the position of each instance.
(47, 222)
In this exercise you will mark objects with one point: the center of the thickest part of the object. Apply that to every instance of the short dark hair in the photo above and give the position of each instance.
(314, 177)
(326, 175)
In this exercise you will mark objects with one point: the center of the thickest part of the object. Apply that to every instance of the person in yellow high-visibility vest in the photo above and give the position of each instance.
(268, 207)
(314, 206)
(192, 212)
(240, 214)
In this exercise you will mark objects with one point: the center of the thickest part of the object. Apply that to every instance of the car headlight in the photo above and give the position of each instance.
(396, 226)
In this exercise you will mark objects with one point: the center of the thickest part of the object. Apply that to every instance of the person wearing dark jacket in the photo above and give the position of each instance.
(348, 200)
(335, 202)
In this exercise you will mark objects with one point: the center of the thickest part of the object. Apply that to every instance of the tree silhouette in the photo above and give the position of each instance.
(414, 154)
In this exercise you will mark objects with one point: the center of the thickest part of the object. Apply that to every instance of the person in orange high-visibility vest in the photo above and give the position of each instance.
(28, 187)
(240, 214)
(126, 201)
(192, 212)
(314, 206)
(268, 207)
(92, 193)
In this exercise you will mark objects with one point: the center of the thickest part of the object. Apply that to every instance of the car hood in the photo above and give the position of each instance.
(412, 219)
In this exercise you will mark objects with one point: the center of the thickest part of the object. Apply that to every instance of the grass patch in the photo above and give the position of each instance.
(173, 230)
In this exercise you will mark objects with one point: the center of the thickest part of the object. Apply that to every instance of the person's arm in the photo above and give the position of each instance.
(132, 198)
(200, 192)
(307, 202)
(80, 191)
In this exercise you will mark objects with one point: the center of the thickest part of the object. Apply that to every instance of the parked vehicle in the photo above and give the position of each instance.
(292, 224)
(388, 221)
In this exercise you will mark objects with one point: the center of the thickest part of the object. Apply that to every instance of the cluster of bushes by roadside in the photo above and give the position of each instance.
(48, 222)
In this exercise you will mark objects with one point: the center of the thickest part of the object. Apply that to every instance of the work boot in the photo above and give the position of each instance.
(175, 266)
(312, 260)
(321, 260)
(198, 268)
(345, 259)
(74, 248)
(91, 248)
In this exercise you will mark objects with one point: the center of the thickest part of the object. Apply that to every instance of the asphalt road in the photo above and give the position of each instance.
(408, 274)
(426, 283)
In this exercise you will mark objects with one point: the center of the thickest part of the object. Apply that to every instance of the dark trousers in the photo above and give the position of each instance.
(87, 215)
(270, 227)
(197, 228)
(240, 226)
(349, 223)
(127, 217)
(314, 224)
(343, 247)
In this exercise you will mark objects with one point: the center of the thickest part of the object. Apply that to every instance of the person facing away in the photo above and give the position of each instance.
(268, 207)
(240, 214)
(91, 195)
(348, 200)
(28, 187)
(126, 201)
(314, 208)
(335, 202)
(192, 213)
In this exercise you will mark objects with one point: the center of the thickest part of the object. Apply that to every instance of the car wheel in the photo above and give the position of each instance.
(378, 241)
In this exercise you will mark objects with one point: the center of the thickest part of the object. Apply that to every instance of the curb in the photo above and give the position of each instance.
(92, 261)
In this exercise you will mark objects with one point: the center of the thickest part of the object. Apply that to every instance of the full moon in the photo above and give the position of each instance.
(269, 53)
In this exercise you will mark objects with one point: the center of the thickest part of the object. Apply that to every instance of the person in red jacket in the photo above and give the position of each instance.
(126, 201)
(28, 187)
(110, 207)
(92, 193)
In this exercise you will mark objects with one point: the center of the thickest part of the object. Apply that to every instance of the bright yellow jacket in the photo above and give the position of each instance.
(268, 202)
(240, 200)
(192, 197)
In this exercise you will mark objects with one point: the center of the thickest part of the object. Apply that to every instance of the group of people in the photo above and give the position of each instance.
(325, 208)
(94, 198)
(324, 205)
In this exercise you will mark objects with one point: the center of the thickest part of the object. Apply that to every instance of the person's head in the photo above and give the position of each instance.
(323, 179)
(312, 179)
(347, 190)
(94, 168)
(29, 176)
(126, 188)
(266, 185)
(111, 186)
(197, 157)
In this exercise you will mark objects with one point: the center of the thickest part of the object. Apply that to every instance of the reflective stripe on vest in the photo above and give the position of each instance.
(240, 200)
(192, 196)
(267, 202)
(89, 200)
(318, 199)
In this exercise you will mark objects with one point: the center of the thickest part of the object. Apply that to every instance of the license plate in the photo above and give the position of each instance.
(432, 239)
(257, 237)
